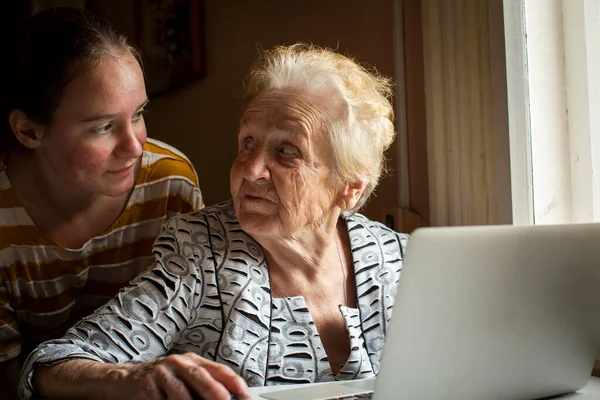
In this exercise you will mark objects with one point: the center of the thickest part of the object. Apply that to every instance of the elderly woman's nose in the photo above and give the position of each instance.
(257, 167)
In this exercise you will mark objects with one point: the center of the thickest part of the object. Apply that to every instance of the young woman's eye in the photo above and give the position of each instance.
(102, 129)
(138, 115)
(287, 150)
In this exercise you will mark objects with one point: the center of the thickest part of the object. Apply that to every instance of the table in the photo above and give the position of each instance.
(590, 391)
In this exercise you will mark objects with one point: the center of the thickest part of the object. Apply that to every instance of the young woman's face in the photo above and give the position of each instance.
(96, 136)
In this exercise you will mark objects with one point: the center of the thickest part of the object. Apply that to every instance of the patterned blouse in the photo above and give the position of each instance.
(209, 293)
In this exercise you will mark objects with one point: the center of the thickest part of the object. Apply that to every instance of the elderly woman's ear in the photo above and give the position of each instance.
(350, 194)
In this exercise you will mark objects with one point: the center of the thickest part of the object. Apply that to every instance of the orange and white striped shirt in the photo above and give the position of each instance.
(45, 288)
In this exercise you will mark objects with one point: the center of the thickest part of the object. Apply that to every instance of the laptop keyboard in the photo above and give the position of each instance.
(364, 396)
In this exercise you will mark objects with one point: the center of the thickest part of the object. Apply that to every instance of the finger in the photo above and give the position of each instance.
(219, 372)
(199, 380)
(232, 381)
(171, 386)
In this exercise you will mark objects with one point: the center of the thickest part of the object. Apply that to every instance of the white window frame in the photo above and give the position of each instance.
(553, 81)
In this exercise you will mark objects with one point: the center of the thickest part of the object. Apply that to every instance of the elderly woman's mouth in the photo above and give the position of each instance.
(257, 199)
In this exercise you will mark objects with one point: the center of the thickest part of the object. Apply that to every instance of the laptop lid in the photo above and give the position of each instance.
(494, 312)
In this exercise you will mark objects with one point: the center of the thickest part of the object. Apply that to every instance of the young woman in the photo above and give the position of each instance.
(83, 191)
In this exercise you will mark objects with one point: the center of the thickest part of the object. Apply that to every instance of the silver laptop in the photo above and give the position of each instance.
(491, 312)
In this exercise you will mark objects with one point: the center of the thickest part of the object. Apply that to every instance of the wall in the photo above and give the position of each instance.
(201, 119)
(457, 133)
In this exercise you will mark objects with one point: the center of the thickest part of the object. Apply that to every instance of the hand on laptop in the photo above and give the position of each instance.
(184, 377)
(179, 376)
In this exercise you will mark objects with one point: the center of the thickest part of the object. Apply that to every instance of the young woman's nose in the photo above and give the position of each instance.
(131, 141)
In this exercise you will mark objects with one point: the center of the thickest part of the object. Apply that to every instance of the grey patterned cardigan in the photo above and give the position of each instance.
(209, 293)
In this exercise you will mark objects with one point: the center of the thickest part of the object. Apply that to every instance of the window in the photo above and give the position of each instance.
(553, 81)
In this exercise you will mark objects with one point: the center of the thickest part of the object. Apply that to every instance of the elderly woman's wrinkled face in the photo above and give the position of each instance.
(281, 180)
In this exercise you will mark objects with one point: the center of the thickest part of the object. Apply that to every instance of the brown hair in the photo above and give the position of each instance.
(54, 47)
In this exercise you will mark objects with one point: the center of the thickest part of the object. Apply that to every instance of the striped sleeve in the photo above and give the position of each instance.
(166, 162)
(10, 338)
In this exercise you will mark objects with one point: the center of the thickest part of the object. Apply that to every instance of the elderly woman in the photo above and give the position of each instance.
(284, 284)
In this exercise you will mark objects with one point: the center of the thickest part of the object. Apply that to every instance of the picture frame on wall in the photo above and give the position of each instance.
(170, 34)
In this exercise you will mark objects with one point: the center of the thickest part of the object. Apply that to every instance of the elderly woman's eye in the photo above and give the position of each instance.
(287, 150)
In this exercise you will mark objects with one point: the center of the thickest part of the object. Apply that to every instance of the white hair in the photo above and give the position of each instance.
(364, 128)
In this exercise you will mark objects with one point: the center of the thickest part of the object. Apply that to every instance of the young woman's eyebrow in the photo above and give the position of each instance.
(110, 116)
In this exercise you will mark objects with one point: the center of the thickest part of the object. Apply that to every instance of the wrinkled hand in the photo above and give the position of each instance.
(182, 377)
